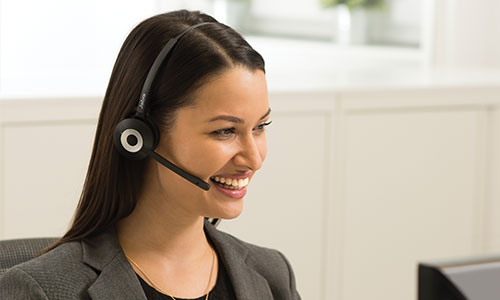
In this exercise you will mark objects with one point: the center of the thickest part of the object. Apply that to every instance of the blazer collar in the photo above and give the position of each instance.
(117, 279)
(247, 283)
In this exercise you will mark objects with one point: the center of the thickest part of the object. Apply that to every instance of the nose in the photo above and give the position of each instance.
(252, 152)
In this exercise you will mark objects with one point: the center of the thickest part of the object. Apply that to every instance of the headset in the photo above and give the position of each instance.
(137, 137)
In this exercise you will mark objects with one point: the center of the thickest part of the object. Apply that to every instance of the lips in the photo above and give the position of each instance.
(238, 176)
(231, 185)
(236, 194)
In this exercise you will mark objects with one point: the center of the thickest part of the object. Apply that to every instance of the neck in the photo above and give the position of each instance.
(153, 229)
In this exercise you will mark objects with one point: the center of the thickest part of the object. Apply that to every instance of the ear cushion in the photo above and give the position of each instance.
(132, 136)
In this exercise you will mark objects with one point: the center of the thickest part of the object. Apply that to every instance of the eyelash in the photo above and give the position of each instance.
(226, 132)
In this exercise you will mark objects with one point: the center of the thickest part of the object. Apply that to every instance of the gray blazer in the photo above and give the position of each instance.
(96, 268)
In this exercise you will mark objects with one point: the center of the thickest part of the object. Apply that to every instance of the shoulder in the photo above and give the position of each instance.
(263, 259)
(57, 274)
(269, 263)
(229, 243)
(256, 253)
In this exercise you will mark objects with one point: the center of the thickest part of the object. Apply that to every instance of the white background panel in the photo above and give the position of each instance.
(410, 195)
(44, 169)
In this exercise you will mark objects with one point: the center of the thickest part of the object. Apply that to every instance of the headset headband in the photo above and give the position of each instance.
(142, 107)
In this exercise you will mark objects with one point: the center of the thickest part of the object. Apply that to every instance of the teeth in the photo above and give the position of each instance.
(231, 183)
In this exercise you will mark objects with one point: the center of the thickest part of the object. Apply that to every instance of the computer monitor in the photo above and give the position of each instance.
(467, 279)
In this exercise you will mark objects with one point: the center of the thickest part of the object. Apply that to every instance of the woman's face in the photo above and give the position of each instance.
(219, 138)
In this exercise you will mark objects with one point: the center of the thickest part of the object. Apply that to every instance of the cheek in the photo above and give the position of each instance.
(183, 152)
(206, 157)
(222, 152)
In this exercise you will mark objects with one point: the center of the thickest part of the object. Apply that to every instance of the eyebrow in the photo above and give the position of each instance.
(234, 119)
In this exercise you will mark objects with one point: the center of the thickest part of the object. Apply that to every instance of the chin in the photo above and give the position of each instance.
(231, 211)
(230, 216)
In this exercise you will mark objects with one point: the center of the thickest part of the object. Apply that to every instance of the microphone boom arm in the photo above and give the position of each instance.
(191, 178)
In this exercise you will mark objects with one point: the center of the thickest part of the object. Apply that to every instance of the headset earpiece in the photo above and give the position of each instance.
(133, 136)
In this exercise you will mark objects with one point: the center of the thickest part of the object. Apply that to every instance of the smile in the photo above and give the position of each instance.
(230, 183)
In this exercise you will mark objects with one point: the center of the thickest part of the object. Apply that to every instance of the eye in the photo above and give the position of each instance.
(224, 133)
(261, 127)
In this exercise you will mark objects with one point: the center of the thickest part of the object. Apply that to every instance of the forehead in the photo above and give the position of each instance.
(238, 91)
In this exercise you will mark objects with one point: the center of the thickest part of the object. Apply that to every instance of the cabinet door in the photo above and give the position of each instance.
(412, 192)
(44, 166)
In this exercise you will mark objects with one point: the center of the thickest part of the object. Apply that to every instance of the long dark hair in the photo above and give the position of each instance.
(113, 182)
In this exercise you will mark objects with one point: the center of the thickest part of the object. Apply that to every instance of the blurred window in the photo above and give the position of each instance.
(391, 22)
(59, 47)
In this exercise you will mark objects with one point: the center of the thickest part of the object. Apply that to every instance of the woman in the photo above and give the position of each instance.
(180, 135)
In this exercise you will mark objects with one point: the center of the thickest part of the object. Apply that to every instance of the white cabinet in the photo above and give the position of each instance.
(358, 186)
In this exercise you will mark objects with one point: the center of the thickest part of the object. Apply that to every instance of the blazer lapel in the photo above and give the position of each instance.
(247, 283)
(116, 279)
